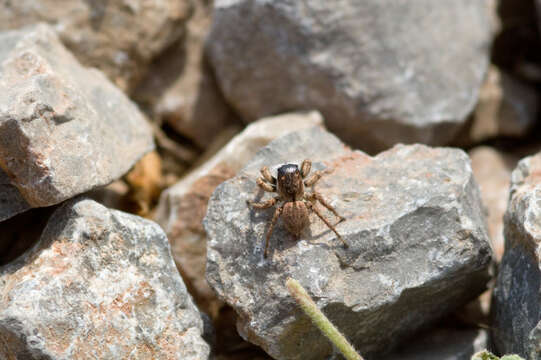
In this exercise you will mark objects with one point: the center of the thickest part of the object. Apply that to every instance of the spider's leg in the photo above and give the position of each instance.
(265, 185)
(316, 196)
(275, 217)
(313, 179)
(264, 205)
(267, 175)
(315, 209)
(305, 168)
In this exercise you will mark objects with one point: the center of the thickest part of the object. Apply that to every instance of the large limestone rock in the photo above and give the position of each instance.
(418, 246)
(381, 72)
(118, 37)
(182, 207)
(516, 302)
(64, 129)
(99, 284)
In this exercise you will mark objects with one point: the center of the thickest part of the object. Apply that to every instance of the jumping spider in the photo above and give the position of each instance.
(290, 188)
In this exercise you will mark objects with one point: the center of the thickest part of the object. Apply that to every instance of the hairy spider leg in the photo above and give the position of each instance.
(315, 209)
(275, 217)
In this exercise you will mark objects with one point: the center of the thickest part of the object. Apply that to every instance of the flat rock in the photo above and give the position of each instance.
(418, 246)
(118, 37)
(377, 80)
(492, 170)
(64, 129)
(182, 207)
(516, 302)
(99, 284)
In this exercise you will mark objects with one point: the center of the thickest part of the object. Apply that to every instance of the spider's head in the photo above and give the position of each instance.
(290, 181)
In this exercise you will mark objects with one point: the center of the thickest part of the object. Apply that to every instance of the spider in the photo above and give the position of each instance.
(290, 186)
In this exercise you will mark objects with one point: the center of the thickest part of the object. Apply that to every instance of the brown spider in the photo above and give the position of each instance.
(290, 188)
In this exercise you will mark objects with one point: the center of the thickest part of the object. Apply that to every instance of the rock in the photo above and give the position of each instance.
(377, 81)
(102, 284)
(492, 171)
(418, 246)
(443, 344)
(180, 88)
(64, 129)
(507, 107)
(516, 302)
(118, 37)
(182, 207)
(11, 200)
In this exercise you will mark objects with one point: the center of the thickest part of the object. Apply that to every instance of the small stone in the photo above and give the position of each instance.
(516, 309)
(182, 207)
(99, 284)
(418, 246)
(492, 170)
(118, 37)
(64, 129)
(371, 67)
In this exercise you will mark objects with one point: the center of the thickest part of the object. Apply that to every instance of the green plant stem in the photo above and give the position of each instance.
(320, 320)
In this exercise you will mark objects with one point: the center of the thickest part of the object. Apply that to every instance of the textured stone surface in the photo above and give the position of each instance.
(11, 201)
(419, 246)
(180, 89)
(516, 302)
(507, 107)
(118, 37)
(182, 207)
(492, 170)
(99, 284)
(64, 129)
(443, 344)
(381, 72)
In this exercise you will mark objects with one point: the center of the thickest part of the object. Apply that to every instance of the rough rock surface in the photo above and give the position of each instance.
(418, 246)
(516, 302)
(182, 207)
(371, 67)
(99, 284)
(180, 89)
(443, 344)
(118, 37)
(11, 201)
(507, 107)
(492, 170)
(64, 129)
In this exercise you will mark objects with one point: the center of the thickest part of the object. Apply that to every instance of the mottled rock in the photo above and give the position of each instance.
(99, 284)
(492, 171)
(64, 129)
(180, 89)
(381, 72)
(507, 107)
(182, 207)
(443, 344)
(418, 246)
(118, 37)
(516, 302)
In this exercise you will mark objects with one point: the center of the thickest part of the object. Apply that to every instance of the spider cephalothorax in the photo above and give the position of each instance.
(290, 184)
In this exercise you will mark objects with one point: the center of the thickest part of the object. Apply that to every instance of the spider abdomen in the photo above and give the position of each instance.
(295, 217)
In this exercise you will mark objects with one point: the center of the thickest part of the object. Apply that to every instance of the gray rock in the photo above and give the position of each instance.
(118, 37)
(516, 302)
(419, 246)
(64, 129)
(99, 284)
(182, 207)
(11, 201)
(381, 72)
(443, 344)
